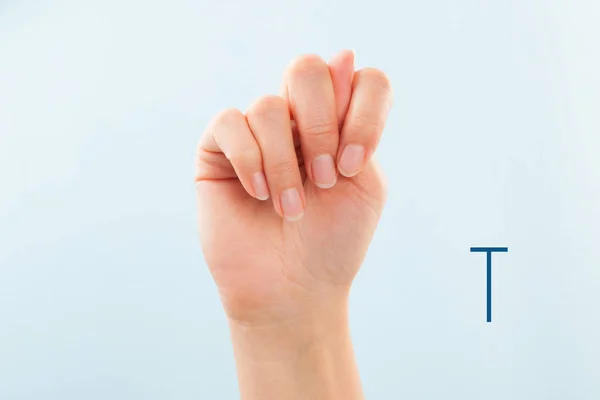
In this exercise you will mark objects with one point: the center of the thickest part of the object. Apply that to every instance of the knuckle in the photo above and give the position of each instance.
(245, 156)
(375, 77)
(227, 117)
(319, 128)
(268, 107)
(307, 65)
(365, 125)
(282, 167)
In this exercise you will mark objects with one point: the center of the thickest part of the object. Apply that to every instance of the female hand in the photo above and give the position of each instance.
(289, 196)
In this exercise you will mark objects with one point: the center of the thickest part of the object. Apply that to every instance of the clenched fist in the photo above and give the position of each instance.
(289, 194)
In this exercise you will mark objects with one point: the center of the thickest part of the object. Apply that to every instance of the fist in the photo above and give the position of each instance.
(289, 194)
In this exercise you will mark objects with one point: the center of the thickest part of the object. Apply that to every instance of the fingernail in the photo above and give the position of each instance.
(291, 204)
(351, 160)
(259, 184)
(323, 170)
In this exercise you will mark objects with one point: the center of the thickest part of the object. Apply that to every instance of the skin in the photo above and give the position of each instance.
(289, 196)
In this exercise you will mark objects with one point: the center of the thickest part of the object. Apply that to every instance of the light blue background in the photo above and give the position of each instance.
(494, 141)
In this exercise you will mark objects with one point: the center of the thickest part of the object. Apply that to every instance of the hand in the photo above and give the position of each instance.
(284, 266)
(289, 194)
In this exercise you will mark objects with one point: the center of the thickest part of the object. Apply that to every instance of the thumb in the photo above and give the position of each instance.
(341, 68)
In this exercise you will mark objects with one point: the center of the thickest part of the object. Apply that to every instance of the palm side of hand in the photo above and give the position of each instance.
(266, 266)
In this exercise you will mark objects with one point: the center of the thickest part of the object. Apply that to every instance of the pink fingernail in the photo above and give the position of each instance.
(291, 205)
(323, 170)
(259, 184)
(351, 160)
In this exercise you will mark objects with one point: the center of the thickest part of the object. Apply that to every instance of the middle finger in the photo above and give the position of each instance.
(312, 101)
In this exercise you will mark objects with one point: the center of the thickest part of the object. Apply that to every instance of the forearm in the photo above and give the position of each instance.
(305, 358)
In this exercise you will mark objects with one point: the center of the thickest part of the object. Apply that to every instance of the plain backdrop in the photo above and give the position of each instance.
(494, 140)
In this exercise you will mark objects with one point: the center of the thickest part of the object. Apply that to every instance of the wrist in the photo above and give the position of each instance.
(308, 356)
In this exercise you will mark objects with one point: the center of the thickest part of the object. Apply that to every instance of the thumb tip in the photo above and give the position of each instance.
(344, 57)
(349, 54)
